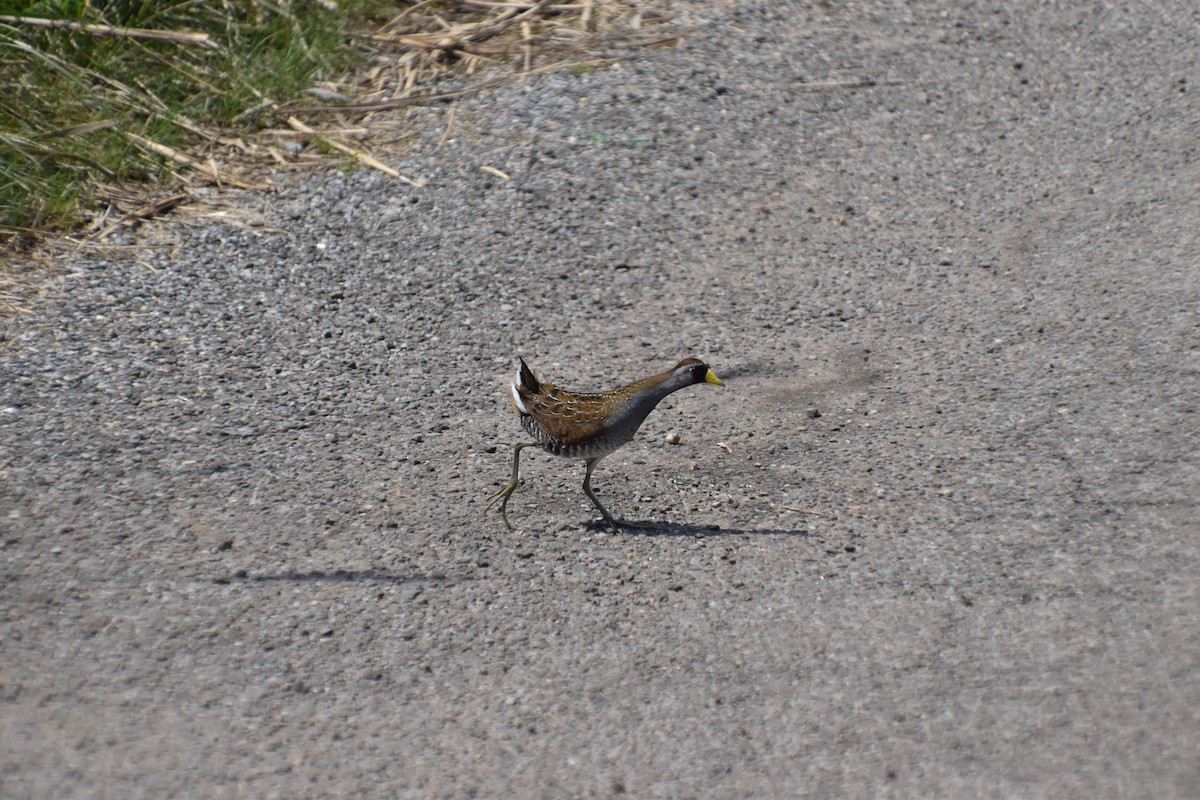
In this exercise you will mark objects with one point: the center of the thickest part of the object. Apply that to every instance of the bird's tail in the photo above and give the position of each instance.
(527, 383)
(527, 380)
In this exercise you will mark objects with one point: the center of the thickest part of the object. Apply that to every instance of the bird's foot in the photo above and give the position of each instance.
(501, 496)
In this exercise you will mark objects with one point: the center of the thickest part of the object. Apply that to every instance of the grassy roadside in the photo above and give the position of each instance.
(101, 95)
(113, 111)
(109, 109)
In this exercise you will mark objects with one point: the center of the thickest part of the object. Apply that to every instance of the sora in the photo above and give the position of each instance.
(587, 425)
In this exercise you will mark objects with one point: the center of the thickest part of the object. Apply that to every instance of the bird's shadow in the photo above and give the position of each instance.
(334, 576)
(653, 528)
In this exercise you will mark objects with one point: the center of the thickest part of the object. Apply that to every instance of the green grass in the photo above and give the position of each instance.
(70, 98)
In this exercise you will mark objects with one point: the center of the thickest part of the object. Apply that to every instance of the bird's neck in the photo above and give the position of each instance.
(642, 397)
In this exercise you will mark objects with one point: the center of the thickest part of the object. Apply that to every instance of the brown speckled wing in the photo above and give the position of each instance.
(570, 418)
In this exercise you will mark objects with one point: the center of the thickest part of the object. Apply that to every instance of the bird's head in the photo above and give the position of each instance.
(693, 370)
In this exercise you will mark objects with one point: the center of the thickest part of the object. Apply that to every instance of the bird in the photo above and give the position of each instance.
(589, 425)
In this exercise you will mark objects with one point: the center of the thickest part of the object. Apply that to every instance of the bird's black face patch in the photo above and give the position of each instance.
(699, 371)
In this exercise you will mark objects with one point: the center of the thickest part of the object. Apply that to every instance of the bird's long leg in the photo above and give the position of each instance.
(501, 495)
(587, 489)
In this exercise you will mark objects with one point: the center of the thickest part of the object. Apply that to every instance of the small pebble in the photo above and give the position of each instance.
(672, 438)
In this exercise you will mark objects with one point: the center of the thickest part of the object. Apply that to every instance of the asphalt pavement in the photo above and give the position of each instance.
(936, 537)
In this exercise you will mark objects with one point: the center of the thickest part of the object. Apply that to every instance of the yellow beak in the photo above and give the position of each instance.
(711, 377)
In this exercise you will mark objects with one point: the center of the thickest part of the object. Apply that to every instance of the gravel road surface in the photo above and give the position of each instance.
(936, 538)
